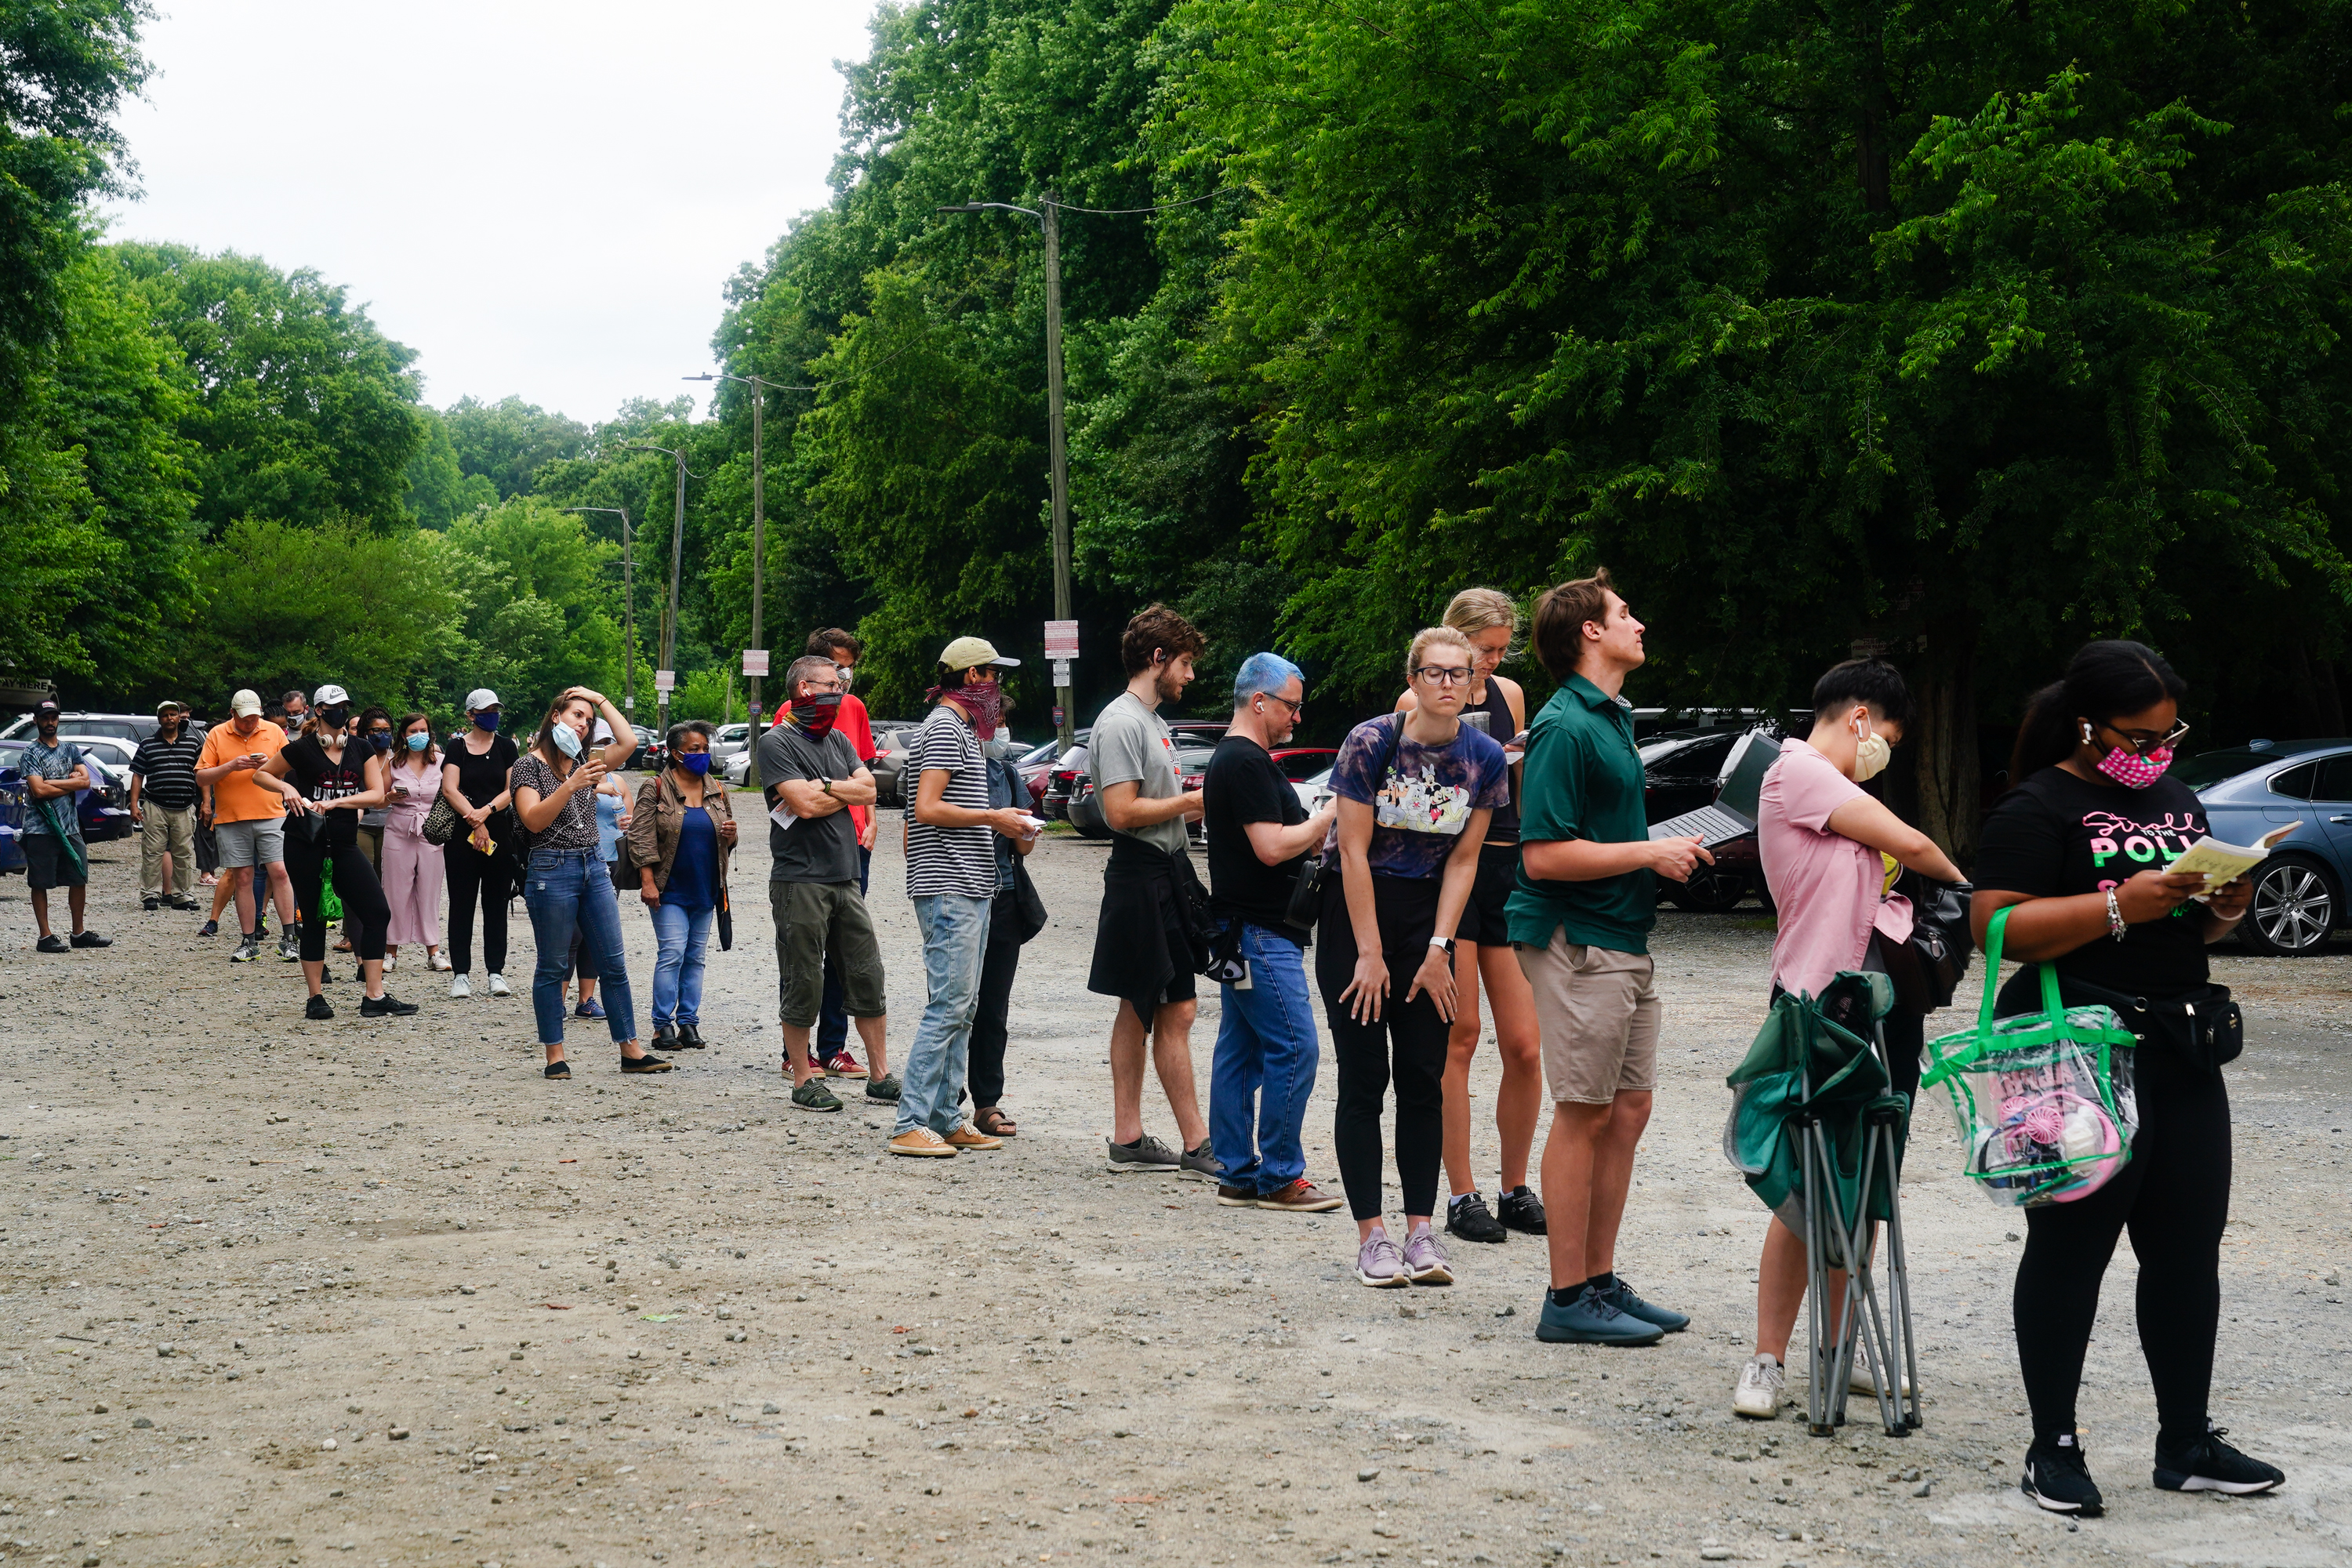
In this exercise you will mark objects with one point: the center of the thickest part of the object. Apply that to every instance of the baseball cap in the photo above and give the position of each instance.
(169, 705)
(328, 696)
(45, 705)
(480, 697)
(245, 702)
(965, 652)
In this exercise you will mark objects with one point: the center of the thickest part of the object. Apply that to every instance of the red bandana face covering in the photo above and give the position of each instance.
(984, 701)
(815, 714)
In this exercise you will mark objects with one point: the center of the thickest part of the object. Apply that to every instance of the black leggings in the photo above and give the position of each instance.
(985, 1071)
(1413, 1033)
(2173, 1197)
(471, 875)
(355, 885)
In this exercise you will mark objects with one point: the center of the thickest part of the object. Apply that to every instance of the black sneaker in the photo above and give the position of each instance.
(2210, 1465)
(151, 903)
(1467, 1217)
(386, 1007)
(91, 938)
(319, 1009)
(1200, 1164)
(1519, 1209)
(1146, 1154)
(52, 943)
(2057, 1479)
(211, 927)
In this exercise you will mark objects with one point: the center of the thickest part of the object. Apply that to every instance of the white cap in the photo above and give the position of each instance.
(328, 696)
(602, 733)
(244, 702)
(480, 697)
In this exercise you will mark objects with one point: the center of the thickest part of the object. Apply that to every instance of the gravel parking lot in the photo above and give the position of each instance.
(374, 1292)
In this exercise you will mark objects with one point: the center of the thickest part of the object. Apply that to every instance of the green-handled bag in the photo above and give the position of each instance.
(2043, 1102)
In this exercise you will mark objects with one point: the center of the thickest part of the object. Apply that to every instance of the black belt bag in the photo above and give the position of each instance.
(2205, 1028)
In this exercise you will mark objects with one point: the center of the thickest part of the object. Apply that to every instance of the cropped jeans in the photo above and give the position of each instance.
(955, 941)
(684, 936)
(569, 891)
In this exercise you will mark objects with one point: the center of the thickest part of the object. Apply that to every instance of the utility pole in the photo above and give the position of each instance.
(628, 608)
(676, 550)
(759, 387)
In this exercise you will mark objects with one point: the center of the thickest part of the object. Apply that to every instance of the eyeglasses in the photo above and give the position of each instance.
(380, 729)
(1455, 675)
(2140, 742)
(1297, 708)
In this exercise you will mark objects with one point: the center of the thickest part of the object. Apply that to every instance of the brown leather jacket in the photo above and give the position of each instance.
(659, 816)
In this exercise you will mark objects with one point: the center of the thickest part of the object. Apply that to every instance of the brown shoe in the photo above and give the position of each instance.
(1237, 1198)
(967, 1136)
(1302, 1196)
(921, 1143)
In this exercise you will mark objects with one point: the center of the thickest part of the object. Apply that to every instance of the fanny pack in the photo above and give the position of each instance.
(2204, 1029)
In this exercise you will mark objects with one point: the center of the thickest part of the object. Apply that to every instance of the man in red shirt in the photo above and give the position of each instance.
(832, 1044)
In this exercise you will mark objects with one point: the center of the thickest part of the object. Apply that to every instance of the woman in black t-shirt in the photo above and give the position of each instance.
(2079, 847)
(480, 865)
(335, 777)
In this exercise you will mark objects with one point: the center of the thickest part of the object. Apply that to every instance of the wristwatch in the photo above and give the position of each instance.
(826, 784)
(1445, 941)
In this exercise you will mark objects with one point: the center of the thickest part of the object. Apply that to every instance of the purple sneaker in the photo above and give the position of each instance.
(1424, 1260)
(1379, 1264)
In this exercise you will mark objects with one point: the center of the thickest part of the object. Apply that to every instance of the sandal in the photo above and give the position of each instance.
(996, 1123)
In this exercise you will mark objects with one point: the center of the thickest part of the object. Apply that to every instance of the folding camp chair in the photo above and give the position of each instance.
(1818, 1133)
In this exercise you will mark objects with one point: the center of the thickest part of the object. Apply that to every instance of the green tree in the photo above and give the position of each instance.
(439, 491)
(509, 441)
(541, 598)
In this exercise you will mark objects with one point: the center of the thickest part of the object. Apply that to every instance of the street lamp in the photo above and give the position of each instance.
(759, 517)
(1049, 225)
(676, 550)
(628, 607)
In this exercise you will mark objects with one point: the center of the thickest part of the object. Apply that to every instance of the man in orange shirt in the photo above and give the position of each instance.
(832, 1045)
(249, 818)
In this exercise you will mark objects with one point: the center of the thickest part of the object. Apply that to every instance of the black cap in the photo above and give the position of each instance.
(45, 705)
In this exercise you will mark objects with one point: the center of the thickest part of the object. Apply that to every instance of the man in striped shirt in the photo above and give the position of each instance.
(164, 806)
(951, 876)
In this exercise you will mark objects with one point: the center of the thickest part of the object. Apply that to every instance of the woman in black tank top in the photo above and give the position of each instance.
(1482, 950)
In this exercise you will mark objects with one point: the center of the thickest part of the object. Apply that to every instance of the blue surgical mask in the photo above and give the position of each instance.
(418, 743)
(567, 740)
(697, 763)
(381, 741)
(486, 723)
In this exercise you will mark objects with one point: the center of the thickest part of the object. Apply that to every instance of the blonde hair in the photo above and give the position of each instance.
(1424, 639)
(1475, 610)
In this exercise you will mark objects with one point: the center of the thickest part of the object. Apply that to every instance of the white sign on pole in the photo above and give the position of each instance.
(1061, 672)
(1061, 639)
(664, 680)
(755, 661)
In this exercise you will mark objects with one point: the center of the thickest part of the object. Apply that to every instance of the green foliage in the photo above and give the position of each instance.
(507, 442)
(540, 600)
(439, 491)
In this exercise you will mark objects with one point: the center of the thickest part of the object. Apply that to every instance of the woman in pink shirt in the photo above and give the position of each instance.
(1828, 850)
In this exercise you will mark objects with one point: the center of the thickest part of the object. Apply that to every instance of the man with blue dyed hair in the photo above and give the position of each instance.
(1259, 834)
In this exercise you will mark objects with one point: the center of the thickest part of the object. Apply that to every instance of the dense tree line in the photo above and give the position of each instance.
(1964, 331)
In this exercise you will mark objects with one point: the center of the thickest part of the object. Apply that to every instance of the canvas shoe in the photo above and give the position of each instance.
(921, 1143)
(1756, 1395)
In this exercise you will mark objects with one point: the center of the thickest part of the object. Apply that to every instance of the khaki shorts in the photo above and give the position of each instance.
(1598, 1009)
(815, 919)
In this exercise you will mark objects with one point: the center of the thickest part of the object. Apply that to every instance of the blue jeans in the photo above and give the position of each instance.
(832, 1010)
(955, 941)
(569, 891)
(682, 935)
(1265, 1066)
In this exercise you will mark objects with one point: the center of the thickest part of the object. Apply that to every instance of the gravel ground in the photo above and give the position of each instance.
(374, 1292)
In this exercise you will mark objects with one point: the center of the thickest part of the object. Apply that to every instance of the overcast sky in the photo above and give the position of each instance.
(541, 197)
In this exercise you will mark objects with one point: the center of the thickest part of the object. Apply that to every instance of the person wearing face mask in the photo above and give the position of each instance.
(374, 728)
(681, 834)
(164, 793)
(566, 886)
(1825, 845)
(811, 773)
(854, 724)
(2077, 851)
(479, 863)
(330, 774)
(412, 869)
(55, 773)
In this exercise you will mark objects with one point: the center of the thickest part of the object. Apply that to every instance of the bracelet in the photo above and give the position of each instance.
(2116, 927)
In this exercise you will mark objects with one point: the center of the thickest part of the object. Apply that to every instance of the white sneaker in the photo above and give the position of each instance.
(1860, 1381)
(439, 961)
(499, 985)
(1757, 1395)
(388, 962)
(459, 988)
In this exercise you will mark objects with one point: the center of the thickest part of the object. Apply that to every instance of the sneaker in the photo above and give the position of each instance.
(1424, 1260)
(1146, 1154)
(967, 1137)
(211, 927)
(151, 903)
(386, 1007)
(1592, 1318)
(884, 1089)
(2210, 1465)
(921, 1143)
(1379, 1264)
(1621, 1297)
(438, 961)
(1860, 1379)
(1467, 1217)
(840, 1064)
(247, 950)
(1756, 1395)
(590, 1008)
(319, 1009)
(815, 1095)
(182, 902)
(290, 946)
(1236, 1197)
(91, 938)
(1519, 1209)
(2057, 1479)
(499, 985)
(460, 988)
(1200, 1165)
(1302, 1196)
(52, 943)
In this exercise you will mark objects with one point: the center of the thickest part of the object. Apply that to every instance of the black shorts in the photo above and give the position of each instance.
(1141, 952)
(47, 863)
(1483, 918)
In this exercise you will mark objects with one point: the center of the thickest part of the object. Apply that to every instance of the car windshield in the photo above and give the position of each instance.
(2212, 767)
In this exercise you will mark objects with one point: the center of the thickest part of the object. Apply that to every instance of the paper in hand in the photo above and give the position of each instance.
(2219, 862)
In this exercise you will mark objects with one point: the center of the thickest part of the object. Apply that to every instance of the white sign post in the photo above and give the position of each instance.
(664, 680)
(1061, 640)
(755, 661)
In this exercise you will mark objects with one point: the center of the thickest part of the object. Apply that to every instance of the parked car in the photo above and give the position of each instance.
(1036, 766)
(131, 727)
(731, 742)
(104, 808)
(2248, 791)
(1195, 740)
(737, 769)
(1313, 791)
(12, 815)
(651, 754)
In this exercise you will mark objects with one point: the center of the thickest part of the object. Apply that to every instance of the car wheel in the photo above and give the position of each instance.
(2294, 909)
(1709, 891)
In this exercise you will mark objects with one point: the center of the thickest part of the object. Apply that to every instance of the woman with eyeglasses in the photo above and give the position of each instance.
(1417, 791)
(2077, 851)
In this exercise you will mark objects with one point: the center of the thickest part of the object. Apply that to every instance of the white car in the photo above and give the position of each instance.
(739, 768)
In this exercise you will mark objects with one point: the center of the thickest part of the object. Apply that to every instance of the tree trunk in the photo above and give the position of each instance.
(1944, 740)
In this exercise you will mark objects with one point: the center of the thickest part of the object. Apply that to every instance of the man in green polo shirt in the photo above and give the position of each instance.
(1580, 919)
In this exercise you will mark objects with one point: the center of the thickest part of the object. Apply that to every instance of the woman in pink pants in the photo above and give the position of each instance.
(412, 868)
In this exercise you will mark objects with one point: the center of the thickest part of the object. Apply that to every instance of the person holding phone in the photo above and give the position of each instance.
(248, 821)
(412, 869)
(327, 772)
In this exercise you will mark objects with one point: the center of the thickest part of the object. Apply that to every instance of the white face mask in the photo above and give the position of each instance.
(1871, 754)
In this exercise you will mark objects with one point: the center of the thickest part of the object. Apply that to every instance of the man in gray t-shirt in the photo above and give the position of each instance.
(813, 775)
(1143, 952)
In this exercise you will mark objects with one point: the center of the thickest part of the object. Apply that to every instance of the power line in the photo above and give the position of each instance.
(1123, 212)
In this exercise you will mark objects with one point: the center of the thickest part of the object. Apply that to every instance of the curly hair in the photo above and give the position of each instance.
(1157, 631)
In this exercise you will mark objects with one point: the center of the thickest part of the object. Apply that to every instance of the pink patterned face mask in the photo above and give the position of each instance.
(2133, 771)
